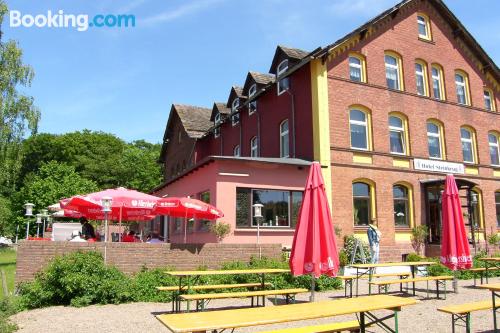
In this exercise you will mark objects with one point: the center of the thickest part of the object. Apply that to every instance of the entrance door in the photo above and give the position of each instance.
(433, 207)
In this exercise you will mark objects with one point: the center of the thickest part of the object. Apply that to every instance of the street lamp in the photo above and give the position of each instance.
(45, 216)
(106, 208)
(38, 222)
(257, 214)
(29, 213)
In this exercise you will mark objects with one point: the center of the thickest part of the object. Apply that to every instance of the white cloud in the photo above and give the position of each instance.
(176, 13)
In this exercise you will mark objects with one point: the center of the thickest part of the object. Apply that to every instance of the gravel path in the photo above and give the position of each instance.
(139, 317)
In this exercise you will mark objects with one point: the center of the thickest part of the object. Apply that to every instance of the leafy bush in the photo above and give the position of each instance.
(77, 279)
(413, 257)
(220, 229)
(144, 285)
(418, 236)
(350, 243)
(8, 307)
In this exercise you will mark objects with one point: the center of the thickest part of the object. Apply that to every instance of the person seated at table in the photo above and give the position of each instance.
(87, 228)
(76, 237)
(155, 238)
(130, 237)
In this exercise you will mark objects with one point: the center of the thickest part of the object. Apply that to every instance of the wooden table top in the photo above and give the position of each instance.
(389, 264)
(491, 286)
(227, 272)
(213, 320)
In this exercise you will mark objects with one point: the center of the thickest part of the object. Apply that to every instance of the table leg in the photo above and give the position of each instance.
(413, 268)
(362, 327)
(486, 264)
(370, 275)
(357, 281)
(493, 295)
(396, 322)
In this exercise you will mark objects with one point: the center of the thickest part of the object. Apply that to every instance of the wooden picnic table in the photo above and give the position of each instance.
(190, 278)
(370, 269)
(495, 292)
(217, 321)
(490, 262)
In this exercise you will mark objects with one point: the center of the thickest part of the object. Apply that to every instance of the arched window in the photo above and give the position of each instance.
(421, 78)
(462, 87)
(359, 123)
(237, 151)
(402, 197)
(424, 27)
(497, 205)
(477, 208)
(235, 117)
(398, 134)
(394, 71)
(363, 208)
(493, 139)
(438, 82)
(435, 140)
(217, 121)
(489, 100)
(284, 139)
(254, 147)
(252, 106)
(469, 146)
(283, 82)
(357, 67)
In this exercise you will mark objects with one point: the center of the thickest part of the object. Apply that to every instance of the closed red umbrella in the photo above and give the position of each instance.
(314, 250)
(186, 208)
(455, 251)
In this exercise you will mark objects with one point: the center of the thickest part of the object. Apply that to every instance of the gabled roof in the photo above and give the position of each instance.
(236, 91)
(221, 108)
(195, 119)
(292, 54)
(261, 79)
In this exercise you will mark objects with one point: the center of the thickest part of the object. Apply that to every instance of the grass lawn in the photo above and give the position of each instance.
(8, 265)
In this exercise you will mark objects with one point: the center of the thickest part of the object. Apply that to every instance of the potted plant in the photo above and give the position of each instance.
(221, 230)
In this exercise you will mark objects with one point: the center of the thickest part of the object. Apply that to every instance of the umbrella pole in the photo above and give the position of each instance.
(313, 287)
(105, 235)
(120, 225)
(455, 282)
(185, 228)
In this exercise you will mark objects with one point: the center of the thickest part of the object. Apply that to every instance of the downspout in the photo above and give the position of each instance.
(293, 121)
(241, 131)
(259, 143)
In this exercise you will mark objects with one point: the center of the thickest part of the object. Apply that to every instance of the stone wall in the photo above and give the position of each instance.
(131, 257)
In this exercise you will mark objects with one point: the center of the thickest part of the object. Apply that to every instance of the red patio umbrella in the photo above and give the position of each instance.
(314, 250)
(455, 251)
(186, 208)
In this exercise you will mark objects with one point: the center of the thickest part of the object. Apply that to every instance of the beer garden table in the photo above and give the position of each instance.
(490, 262)
(495, 292)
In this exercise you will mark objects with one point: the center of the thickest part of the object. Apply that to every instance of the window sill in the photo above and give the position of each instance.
(266, 229)
(402, 228)
(426, 40)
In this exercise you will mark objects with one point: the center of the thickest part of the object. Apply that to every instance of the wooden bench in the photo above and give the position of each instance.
(348, 279)
(481, 271)
(351, 326)
(440, 281)
(176, 290)
(203, 299)
(461, 312)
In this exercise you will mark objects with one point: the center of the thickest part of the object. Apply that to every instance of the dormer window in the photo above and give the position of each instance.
(217, 123)
(235, 117)
(283, 83)
(424, 29)
(252, 106)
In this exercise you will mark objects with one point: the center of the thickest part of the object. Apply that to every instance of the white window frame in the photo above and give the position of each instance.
(495, 145)
(420, 74)
(284, 134)
(361, 123)
(461, 85)
(398, 76)
(487, 97)
(234, 107)
(421, 20)
(252, 106)
(401, 131)
(281, 69)
(237, 151)
(436, 78)
(435, 135)
(217, 121)
(254, 147)
(470, 141)
(357, 66)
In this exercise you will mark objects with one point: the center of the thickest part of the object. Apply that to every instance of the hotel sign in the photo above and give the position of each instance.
(438, 166)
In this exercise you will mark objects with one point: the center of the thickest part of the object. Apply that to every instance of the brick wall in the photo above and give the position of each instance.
(131, 257)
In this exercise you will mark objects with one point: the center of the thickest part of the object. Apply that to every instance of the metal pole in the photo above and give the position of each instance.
(27, 229)
(313, 287)
(105, 235)
(258, 237)
(17, 232)
(37, 229)
(43, 230)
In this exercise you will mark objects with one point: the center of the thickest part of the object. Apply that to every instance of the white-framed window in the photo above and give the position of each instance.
(254, 147)
(420, 79)
(423, 27)
(217, 121)
(392, 72)
(235, 117)
(494, 148)
(437, 83)
(461, 86)
(397, 135)
(489, 101)
(358, 123)
(283, 83)
(252, 106)
(467, 140)
(434, 140)
(237, 151)
(355, 69)
(284, 139)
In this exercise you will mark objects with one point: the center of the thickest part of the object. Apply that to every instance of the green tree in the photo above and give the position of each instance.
(19, 116)
(5, 216)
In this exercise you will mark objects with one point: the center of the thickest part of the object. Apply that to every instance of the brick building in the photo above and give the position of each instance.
(388, 110)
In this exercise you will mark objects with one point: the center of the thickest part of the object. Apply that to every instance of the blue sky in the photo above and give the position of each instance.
(123, 81)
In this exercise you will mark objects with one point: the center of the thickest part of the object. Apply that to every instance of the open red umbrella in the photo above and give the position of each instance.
(455, 251)
(314, 250)
(186, 208)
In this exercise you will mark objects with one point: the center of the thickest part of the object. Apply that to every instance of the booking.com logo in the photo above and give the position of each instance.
(80, 22)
